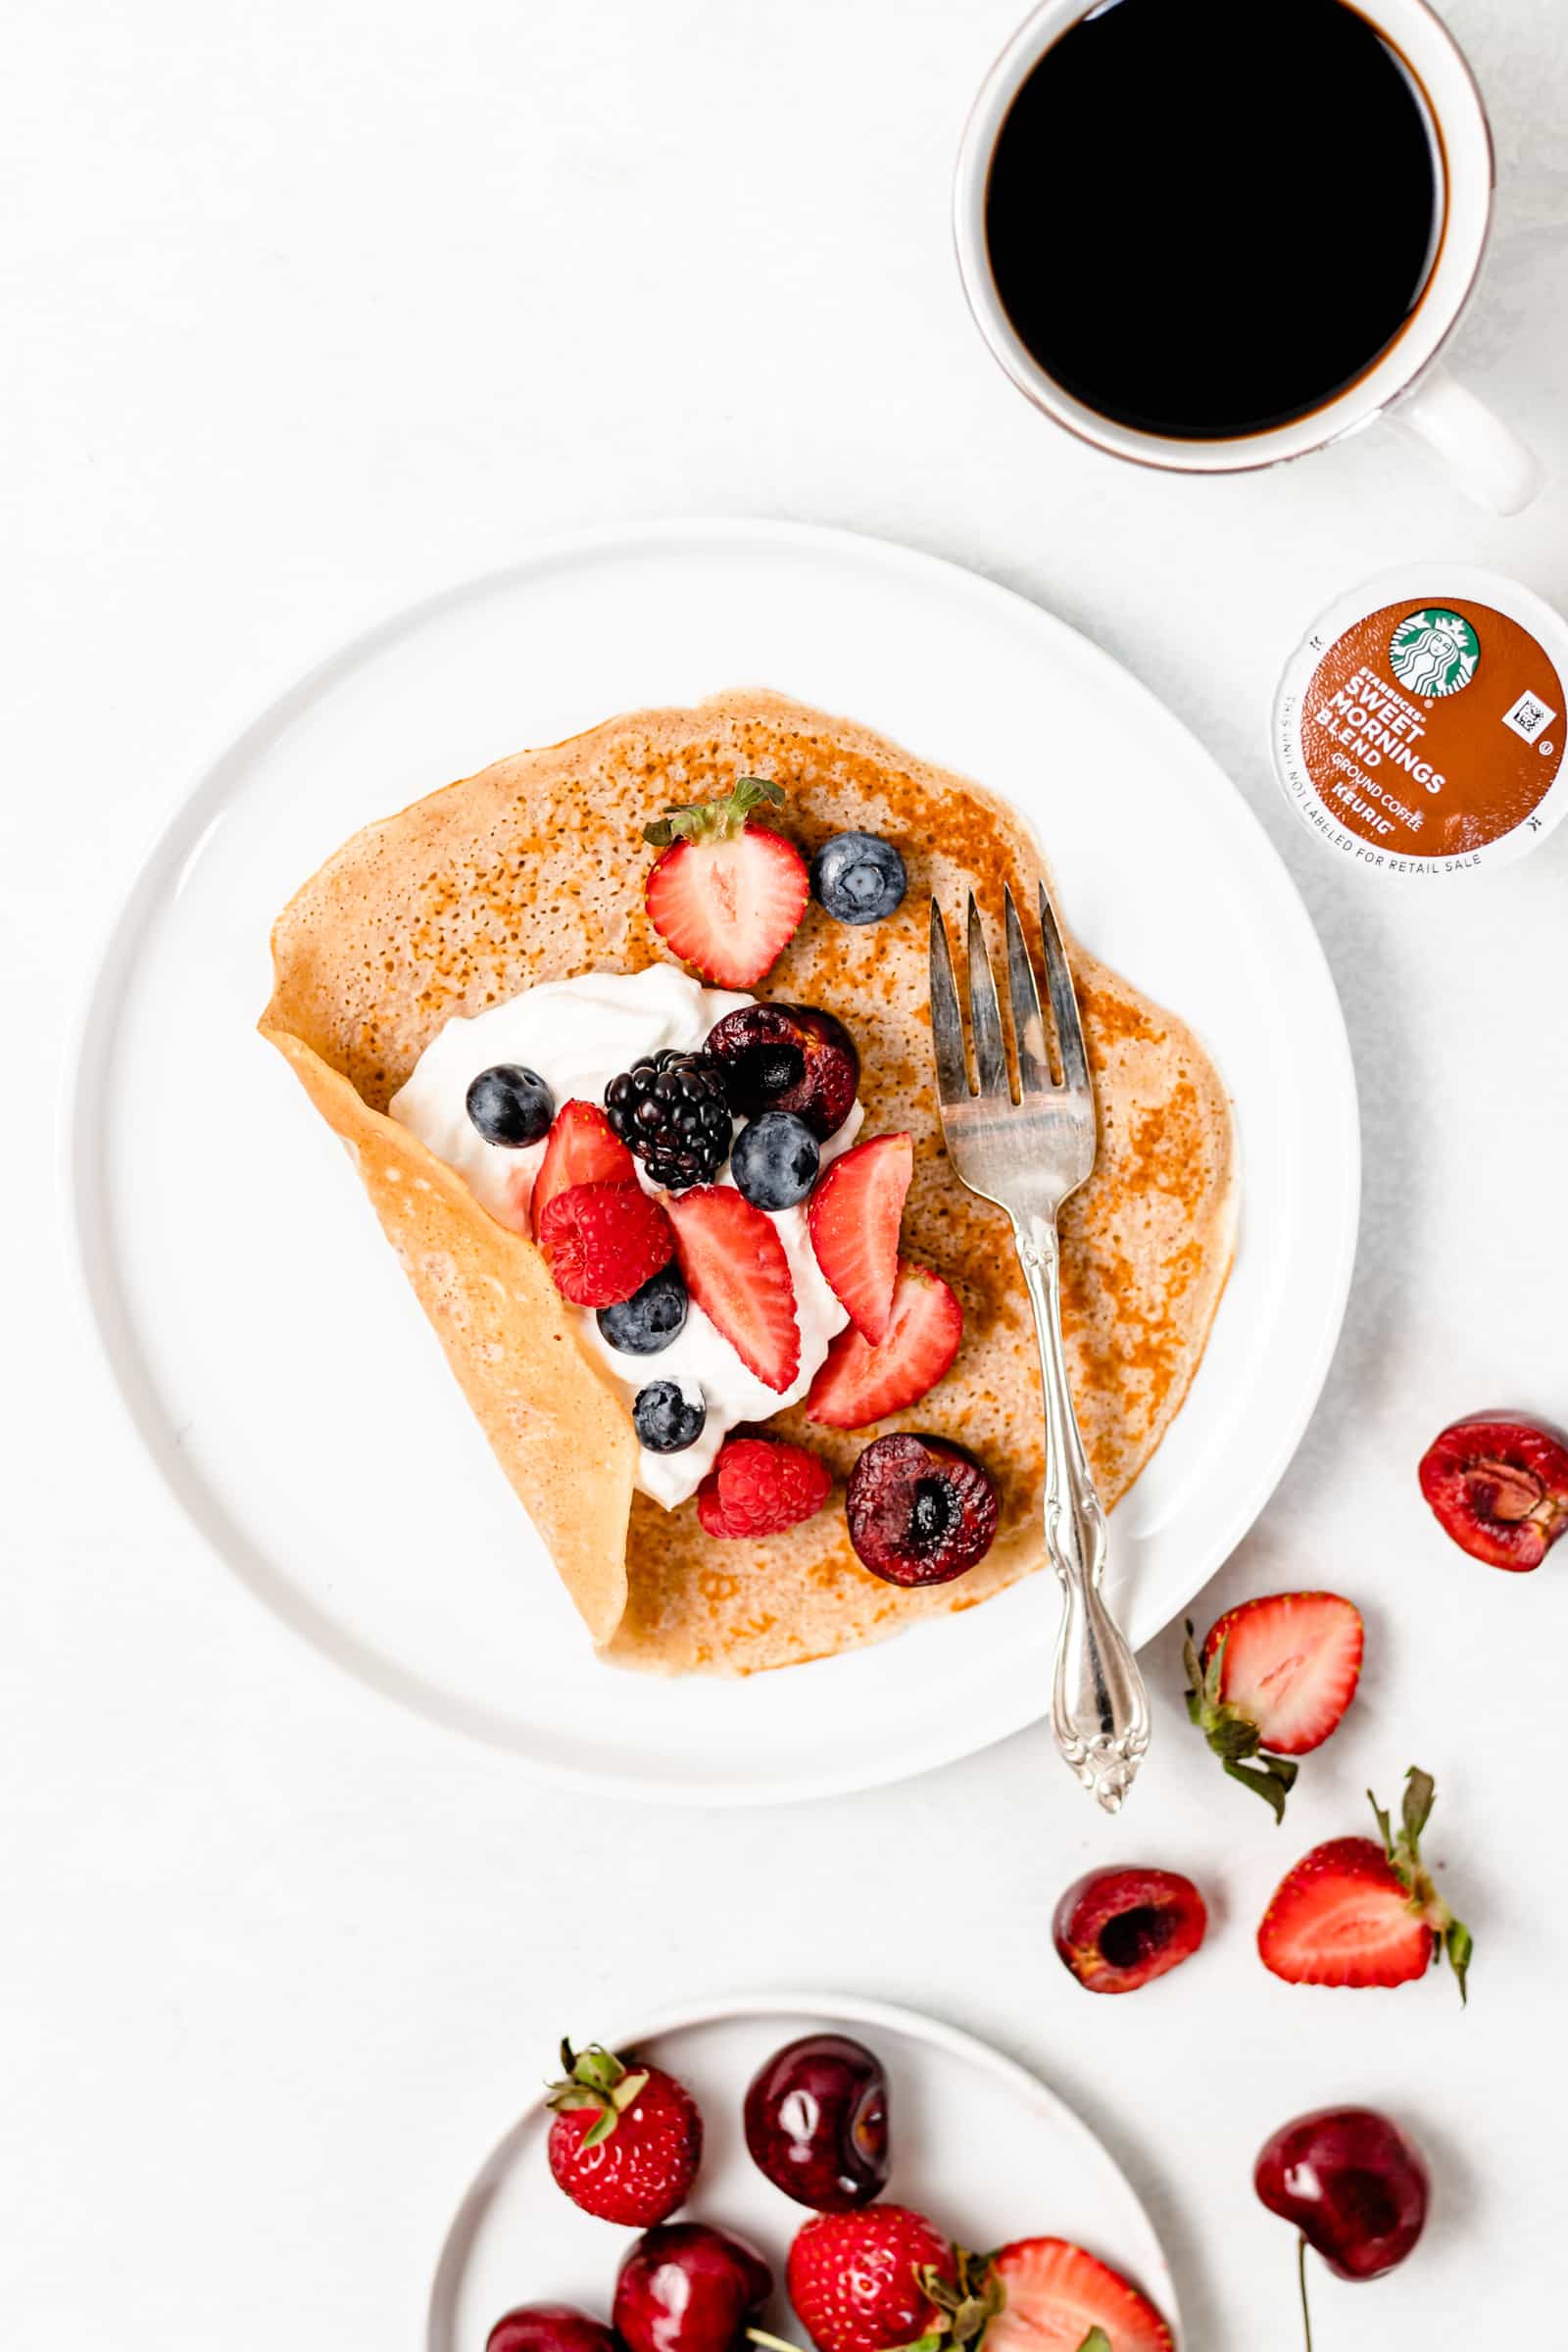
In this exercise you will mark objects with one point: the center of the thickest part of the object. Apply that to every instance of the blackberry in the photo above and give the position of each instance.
(671, 1111)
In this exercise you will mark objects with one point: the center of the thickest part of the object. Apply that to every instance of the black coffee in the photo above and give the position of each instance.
(1207, 216)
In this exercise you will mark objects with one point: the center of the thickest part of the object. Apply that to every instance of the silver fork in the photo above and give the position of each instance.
(1028, 1157)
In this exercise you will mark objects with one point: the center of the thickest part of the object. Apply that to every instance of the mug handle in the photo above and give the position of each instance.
(1486, 457)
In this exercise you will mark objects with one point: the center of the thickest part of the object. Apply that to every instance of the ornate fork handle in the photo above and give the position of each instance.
(1098, 1706)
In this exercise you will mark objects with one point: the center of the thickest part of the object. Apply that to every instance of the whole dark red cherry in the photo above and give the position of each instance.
(817, 2122)
(1352, 2183)
(688, 2288)
(549, 2327)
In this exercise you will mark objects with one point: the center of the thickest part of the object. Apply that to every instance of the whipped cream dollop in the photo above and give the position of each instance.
(577, 1035)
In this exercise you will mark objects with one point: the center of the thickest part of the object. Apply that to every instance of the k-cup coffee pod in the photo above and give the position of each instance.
(1419, 727)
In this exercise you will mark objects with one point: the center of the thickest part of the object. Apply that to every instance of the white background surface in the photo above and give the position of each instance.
(315, 309)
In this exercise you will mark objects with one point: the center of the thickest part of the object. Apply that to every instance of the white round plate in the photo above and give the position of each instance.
(263, 1333)
(1026, 2166)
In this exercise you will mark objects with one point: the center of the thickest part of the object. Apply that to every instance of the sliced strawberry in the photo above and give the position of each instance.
(1273, 1679)
(858, 1384)
(853, 1217)
(1357, 1912)
(1289, 1662)
(583, 1149)
(727, 894)
(1342, 1917)
(1058, 2295)
(736, 1270)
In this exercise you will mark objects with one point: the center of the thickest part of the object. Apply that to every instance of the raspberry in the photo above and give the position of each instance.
(602, 1241)
(760, 1486)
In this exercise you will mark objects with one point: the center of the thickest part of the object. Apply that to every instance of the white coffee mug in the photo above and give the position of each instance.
(1405, 385)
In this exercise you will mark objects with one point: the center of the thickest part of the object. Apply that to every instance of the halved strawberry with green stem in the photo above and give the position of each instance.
(729, 894)
(1355, 1913)
(1272, 1680)
(853, 1217)
(1053, 2291)
(627, 2138)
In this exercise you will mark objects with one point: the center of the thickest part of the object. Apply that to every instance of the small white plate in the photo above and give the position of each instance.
(261, 1329)
(979, 2144)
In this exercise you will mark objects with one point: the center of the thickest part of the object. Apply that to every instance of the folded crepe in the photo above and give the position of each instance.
(533, 870)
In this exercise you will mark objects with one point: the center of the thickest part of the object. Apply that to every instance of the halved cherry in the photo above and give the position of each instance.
(1499, 1484)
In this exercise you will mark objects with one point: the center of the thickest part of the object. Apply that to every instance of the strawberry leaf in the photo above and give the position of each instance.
(714, 820)
(595, 2078)
(1385, 1826)
(1405, 1859)
(1272, 1779)
(1097, 2340)
(1459, 1945)
(965, 2302)
(1419, 1791)
(598, 2070)
(1194, 1678)
(599, 2129)
(1232, 1734)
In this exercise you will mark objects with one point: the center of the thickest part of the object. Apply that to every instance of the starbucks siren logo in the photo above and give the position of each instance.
(1433, 652)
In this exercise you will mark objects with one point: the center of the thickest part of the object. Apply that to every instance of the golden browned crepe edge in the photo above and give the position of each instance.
(559, 1430)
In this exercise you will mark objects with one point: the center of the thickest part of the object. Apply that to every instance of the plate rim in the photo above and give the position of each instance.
(846, 2008)
(175, 839)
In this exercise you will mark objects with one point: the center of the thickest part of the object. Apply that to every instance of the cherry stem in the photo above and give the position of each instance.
(1300, 2272)
(778, 2343)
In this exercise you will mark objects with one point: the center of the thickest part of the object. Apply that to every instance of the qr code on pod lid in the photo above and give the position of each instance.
(1529, 718)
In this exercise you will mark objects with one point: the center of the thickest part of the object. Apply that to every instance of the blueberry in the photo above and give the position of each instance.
(650, 1318)
(775, 1161)
(511, 1104)
(858, 877)
(668, 1421)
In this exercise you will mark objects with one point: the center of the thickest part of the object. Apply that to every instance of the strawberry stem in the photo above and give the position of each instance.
(596, 2080)
(718, 819)
(1300, 2273)
(1404, 1854)
(1232, 1734)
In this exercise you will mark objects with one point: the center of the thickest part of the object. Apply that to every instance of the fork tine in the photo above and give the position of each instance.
(1063, 1002)
(1028, 1021)
(946, 1022)
(990, 1050)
